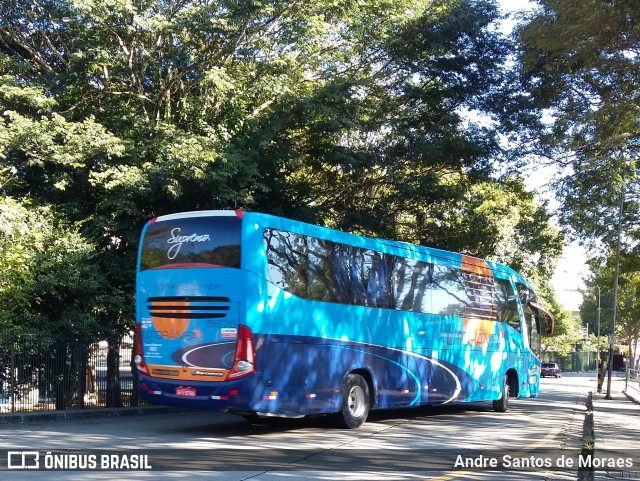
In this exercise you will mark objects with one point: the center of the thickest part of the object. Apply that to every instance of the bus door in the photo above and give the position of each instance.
(538, 321)
(531, 330)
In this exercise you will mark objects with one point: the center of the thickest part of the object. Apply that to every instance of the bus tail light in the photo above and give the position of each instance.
(139, 355)
(244, 360)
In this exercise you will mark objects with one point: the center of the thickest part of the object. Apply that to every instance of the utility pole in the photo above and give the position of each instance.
(615, 296)
(598, 348)
(598, 366)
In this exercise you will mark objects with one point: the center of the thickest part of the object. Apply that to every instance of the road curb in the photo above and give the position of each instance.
(631, 398)
(588, 439)
(75, 414)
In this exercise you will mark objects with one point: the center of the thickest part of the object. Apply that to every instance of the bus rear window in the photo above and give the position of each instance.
(192, 242)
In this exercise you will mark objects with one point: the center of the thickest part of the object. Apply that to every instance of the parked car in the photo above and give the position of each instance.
(550, 369)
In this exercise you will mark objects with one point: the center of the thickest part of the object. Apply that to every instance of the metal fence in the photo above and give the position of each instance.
(37, 376)
(581, 361)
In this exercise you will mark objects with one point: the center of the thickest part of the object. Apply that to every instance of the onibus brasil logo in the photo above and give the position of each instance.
(35, 460)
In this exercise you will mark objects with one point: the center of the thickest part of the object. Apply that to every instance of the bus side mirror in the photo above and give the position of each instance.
(549, 325)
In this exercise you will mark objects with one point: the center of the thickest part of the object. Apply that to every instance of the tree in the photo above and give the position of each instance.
(48, 285)
(580, 59)
(49, 288)
(497, 220)
(628, 313)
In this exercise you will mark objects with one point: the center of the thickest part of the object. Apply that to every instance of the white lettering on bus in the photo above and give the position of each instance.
(177, 240)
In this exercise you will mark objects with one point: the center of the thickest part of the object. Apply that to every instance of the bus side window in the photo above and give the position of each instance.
(287, 260)
(343, 256)
(507, 304)
(358, 277)
(404, 279)
(378, 269)
(533, 323)
(448, 291)
(481, 297)
(412, 279)
(321, 270)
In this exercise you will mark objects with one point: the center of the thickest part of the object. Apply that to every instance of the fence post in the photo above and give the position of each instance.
(626, 379)
(12, 377)
(81, 351)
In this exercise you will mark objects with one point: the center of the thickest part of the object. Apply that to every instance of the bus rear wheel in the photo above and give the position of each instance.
(355, 403)
(501, 405)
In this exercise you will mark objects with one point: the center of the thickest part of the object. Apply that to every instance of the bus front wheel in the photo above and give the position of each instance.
(500, 405)
(355, 403)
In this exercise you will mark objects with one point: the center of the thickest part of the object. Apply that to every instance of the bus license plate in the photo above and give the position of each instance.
(186, 392)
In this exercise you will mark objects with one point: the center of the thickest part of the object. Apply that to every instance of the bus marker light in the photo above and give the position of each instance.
(272, 396)
(404, 391)
(310, 396)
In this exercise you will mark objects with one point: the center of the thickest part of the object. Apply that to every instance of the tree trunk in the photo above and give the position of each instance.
(114, 393)
(60, 375)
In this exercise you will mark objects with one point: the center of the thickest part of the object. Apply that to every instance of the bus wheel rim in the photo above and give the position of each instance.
(356, 402)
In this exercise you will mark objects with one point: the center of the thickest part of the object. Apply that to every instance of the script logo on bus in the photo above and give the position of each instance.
(177, 240)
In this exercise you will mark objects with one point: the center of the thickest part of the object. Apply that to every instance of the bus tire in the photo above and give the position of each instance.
(355, 403)
(501, 405)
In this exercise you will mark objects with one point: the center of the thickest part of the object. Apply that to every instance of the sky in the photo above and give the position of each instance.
(568, 277)
(571, 267)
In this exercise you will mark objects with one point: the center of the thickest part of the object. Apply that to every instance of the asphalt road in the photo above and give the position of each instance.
(463, 442)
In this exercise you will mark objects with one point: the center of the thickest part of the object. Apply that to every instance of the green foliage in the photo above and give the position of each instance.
(580, 58)
(599, 288)
(48, 277)
(356, 115)
(496, 220)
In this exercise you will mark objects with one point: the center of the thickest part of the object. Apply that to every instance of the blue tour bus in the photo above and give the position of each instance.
(263, 316)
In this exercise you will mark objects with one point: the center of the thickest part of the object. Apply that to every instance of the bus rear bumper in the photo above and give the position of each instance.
(243, 396)
(219, 396)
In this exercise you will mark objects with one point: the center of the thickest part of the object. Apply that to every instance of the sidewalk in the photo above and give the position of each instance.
(616, 425)
(49, 416)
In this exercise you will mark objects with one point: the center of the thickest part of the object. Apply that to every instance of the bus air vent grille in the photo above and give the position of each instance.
(188, 307)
